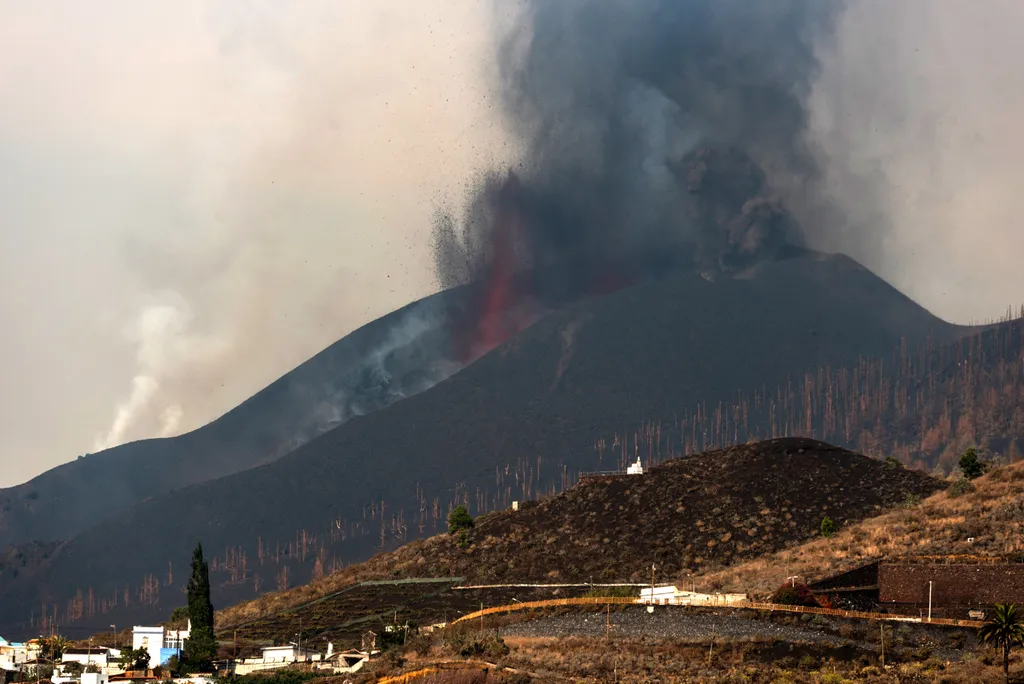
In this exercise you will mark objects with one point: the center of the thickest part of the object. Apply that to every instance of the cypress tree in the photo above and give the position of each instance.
(201, 647)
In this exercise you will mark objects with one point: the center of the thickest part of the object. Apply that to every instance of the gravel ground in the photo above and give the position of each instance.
(667, 623)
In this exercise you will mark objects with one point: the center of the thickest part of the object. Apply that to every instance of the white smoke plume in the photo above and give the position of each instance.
(916, 117)
(166, 343)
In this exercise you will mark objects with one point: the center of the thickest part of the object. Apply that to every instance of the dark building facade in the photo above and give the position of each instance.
(956, 588)
(959, 586)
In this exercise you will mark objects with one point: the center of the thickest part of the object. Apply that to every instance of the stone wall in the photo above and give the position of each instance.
(956, 587)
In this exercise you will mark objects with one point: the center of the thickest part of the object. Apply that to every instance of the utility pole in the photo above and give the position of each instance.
(481, 617)
(652, 584)
(881, 640)
(711, 651)
(608, 621)
(234, 648)
(929, 600)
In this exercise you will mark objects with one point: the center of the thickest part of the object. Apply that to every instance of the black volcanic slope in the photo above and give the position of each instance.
(685, 515)
(541, 399)
(391, 358)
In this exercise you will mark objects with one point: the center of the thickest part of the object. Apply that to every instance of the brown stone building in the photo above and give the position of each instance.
(959, 585)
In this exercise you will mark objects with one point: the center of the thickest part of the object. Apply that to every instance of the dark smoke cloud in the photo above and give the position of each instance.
(655, 132)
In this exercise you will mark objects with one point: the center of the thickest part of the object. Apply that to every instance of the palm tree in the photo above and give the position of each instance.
(1005, 629)
(54, 646)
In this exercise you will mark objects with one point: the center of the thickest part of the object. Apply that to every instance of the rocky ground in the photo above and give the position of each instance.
(668, 623)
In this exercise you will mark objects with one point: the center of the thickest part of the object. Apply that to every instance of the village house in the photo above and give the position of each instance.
(12, 655)
(343, 662)
(159, 642)
(287, 654)
(669, 595)
(99, 658)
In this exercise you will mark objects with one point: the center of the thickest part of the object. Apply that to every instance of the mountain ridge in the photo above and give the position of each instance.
(297, 406)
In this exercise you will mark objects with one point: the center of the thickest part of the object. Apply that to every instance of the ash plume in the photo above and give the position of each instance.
(656, 132)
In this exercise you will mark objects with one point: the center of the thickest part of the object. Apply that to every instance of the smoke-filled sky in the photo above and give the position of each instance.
(197, 196)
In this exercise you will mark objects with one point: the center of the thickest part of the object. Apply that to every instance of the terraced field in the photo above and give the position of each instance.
(344, 616)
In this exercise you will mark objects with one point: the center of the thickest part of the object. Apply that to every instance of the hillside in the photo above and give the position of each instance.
(707, 510)
(698, 511)
(391, 358)
(522, 420)
(991, 514)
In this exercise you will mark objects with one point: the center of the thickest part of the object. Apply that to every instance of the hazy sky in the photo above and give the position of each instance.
(197, 196)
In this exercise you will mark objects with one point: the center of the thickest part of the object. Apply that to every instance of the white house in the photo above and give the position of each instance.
(12, 655)
(175, 638)
(100, 656)
(290, 653)
(161, 643)
(669, 595)
(635, 468)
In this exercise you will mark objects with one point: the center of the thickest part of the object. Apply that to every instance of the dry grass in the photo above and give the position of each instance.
(992, 514)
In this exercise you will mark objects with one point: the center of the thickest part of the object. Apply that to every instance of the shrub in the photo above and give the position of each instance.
(828, 527)
(492, 647)
(971, 466)
(421, 646)
(794, 595)
(459, 519)
(960, 487)
(808, 662)
(893, 462)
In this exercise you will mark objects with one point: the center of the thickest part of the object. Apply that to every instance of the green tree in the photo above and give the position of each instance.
(179, 614)
(459, 519)
(174, 665)
(971, 466)
(73, 669)
(134, 659)
(828, 527)
(54, 647)
(1005, 629)
(201, 645)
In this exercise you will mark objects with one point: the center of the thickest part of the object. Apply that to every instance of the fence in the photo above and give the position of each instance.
(772, 607)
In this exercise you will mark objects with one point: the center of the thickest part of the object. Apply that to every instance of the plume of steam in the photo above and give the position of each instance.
(165, 342)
